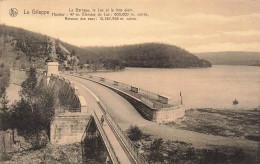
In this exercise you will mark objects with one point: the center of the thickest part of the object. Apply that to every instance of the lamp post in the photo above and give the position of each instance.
(181, 97)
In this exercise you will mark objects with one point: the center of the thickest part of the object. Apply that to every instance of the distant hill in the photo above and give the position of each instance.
(231, 58)
(150, 55)
(22, 47)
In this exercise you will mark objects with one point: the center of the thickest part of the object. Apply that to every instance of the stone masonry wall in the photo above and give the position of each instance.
(145, 111)
(72, 117)
(68, 128)
(65, 92)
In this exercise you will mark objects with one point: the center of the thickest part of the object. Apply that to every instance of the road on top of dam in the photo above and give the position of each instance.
(125, 114)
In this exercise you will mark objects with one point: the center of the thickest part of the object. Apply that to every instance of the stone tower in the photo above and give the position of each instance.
(51, 65)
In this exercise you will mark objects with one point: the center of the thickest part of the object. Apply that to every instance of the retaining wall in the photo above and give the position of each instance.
(6, 141)
(68, 128)
(65, 92)
(72, 117)
(152, 114)
(169, 114)
(145, 111)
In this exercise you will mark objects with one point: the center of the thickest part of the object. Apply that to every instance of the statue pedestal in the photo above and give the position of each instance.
(51, 68)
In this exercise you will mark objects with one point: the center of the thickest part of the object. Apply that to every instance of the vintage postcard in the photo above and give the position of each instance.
(130, 81)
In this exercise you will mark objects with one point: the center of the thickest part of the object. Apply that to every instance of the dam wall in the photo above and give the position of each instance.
(151, 106)
(71, 114)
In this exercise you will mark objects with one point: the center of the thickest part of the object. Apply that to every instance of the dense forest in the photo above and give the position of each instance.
(232, 58)
(150, 55)
(35, 48)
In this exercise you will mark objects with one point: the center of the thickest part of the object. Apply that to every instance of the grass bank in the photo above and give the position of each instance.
(174, 151)
(57, 154)
(158, 150)
(243, 124)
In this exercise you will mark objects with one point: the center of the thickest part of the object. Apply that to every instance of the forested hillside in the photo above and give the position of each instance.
(232, 58)
(21, 48)
(25, 47)
(151, 55)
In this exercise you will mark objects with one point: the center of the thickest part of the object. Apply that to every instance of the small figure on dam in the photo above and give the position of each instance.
(102, 120)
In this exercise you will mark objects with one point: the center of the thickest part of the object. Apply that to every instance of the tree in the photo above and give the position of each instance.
(156, 144)
(4, 101)
(134, 133)
(74, 61)
(33, 114)
(235, 102)
(4, 78)
(28, 87)
(2, 65)
(73, 52)
(156, 149)
(4, 113)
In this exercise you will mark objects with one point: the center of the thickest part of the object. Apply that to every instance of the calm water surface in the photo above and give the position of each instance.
(215, 87)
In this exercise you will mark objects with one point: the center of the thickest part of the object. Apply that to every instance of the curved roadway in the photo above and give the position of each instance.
(125, 114)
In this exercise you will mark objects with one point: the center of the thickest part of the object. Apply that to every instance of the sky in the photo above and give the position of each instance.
(195, 25)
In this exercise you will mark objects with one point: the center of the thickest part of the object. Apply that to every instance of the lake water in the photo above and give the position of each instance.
(215, 87)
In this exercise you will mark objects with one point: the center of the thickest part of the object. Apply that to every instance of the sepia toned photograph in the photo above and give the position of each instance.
(130, 81)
